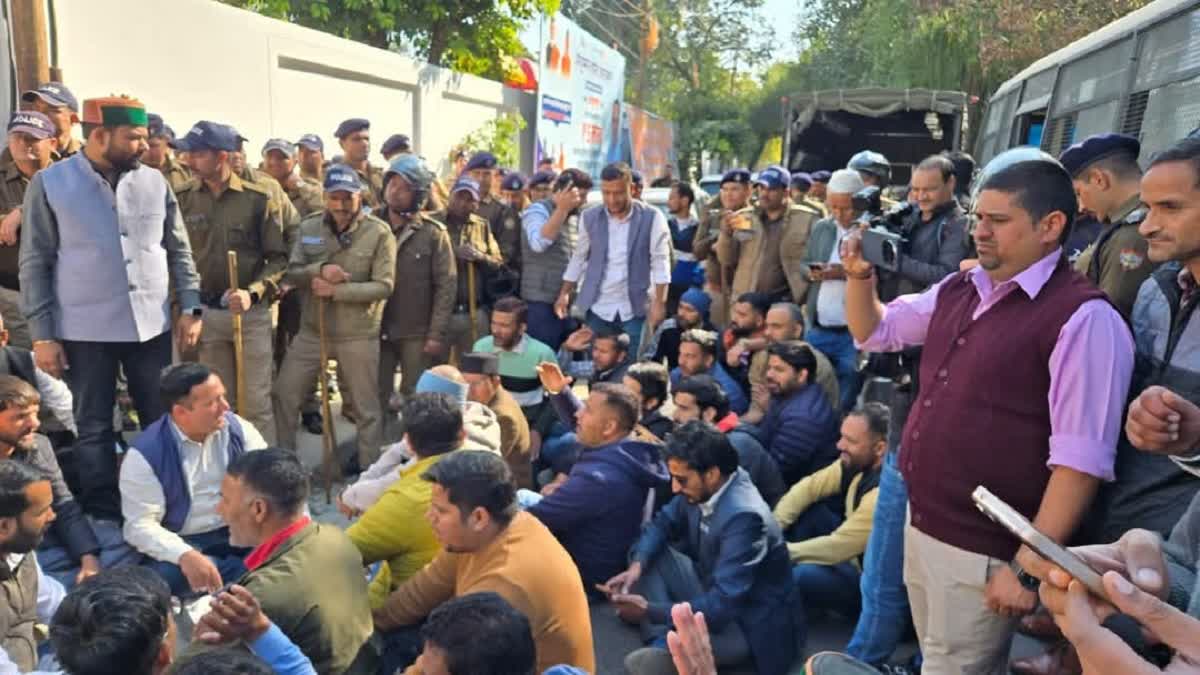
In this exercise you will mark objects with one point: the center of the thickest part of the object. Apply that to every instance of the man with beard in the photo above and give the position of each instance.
(344, 262)
(716, 546)
(98, 278)
(30, 149)
(354, 136)
(784, 323)
(800, 428)
(746, 319)
(692, 312)
(698, 356)
(520, 354)
(595, 357)
(158, 152)
(29, 597)
(551, 225)
(311, 151)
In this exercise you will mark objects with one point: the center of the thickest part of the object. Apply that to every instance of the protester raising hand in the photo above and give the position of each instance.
(689, 642)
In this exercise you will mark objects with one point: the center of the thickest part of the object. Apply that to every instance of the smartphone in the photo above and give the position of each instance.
(1014, 522)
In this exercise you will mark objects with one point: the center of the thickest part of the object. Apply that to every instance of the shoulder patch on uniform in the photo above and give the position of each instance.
(1131, 259)
(312, 239)
(1136, 216)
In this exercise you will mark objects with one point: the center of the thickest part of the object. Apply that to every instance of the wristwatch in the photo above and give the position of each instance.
(1027, 580)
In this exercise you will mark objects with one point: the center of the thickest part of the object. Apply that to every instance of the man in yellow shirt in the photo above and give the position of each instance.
(826, 548)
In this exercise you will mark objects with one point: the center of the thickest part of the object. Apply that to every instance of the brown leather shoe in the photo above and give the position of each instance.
(1040, 625)
(1060, 659)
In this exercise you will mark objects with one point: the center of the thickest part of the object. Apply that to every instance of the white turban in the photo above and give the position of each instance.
(845, 181)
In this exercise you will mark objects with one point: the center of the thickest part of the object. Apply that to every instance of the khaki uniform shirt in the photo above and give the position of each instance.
(12, 194)
(476, 233)
(62, 153)
(505, 224)
(176, 173)
(242, 218)
(373, 178)
(308, 196)
(1117, 262)
(426, 280)
(366, 251)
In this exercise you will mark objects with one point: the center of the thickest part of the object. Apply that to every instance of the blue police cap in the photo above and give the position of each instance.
(802, 180)
(285, 146)
(513, 182)
(1093, 148)
(466, 184)
(206, 135)
(637, 177)
(350, 126)
(774, 177)
(53, 93)
(481, 160)
(736, 176)
(821, 176)
(396, 143)
(312, 142)
(542, 178)
(341, 178)
(33, 123)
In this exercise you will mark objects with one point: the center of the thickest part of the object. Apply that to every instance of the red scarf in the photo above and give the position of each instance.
(727, 423)
(259, 555)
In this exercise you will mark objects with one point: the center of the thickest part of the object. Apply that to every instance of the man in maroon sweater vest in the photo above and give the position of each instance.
(1022, 383)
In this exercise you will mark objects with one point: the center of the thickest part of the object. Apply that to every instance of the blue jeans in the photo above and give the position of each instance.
(215, 545)
(630, 327)
(825, 587)
(885, 613)
(57, 561)
(543, 324)
(838, 347)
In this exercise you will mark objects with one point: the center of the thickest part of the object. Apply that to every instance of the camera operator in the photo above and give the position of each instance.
(876, 171)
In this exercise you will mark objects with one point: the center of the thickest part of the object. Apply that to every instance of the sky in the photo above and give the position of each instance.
(782, 14)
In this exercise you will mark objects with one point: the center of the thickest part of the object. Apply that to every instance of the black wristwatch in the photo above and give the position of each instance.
(1027, 580)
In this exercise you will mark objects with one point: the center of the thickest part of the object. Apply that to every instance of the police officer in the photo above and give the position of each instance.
(279, 162)
(224, 213)
(354, 135)
(311, 151)
(501, 218)
(875, 170)
(158, 152)
(512, 189)
(474, 246)
(344, 264)
(418, 313)
(801, 184)
(395, 145)
(30, 148)
(820, 183)
(734, 197)
(541, 185)
(57, 102)
(1107, 178)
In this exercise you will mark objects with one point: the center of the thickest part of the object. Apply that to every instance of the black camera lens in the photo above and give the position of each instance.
(888, 251)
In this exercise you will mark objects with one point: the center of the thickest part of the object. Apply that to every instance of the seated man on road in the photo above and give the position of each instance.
(691, 313)
(490, 545)
(171, 482)
(482, 373)
(595, 357)
(698, 356)
(700, 398)
(648, 381)
(477, 634)
(482, 427)
(827, 547)
(731, 564)
(800, 429)
(598, 511)
(747, 317)
(784, 323)
(394, 529)
(57, 408)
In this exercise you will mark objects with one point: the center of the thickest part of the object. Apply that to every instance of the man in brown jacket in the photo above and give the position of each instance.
(733, 199)
(344, 262)
(417, 314)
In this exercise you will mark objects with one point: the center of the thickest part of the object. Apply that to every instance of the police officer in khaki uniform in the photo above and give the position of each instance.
(158, 152)
(418, 313)
(474, 246)
(310, 151)
(503, 220)
(279, 162)
(875, 170)
(718, 279)
(343, 262)
(394, 146)
(58, 103)
(1107, 179)
(31, 141)
(224, 213)
(354, 135)
(801, 183)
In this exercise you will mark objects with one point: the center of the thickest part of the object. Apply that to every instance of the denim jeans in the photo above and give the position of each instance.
(838, 347)
(825, 587)
(56, 561)
(630, 327)
(215, 544)
(885, 613)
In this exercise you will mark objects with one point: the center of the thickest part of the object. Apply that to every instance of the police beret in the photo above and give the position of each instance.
(821, 176)
(206, 135)
(542, 178)
(480, 363)
(341, 178)
(395, 143)
(513, 182)
(802, 180)
(53, 93)
(736, 176)
(1093, 148)
(774, 177)
(312, 142)
(481, 160)
(350, 126)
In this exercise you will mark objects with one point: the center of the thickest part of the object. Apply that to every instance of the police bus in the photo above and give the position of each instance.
(1139, 75)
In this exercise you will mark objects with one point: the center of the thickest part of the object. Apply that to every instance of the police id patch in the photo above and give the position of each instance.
(1131, 259)
(312, 240)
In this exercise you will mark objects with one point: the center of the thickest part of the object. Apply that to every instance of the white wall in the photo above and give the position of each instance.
(198, 59)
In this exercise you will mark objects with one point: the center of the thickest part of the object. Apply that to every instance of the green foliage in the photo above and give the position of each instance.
(499, 136)
(471, 36)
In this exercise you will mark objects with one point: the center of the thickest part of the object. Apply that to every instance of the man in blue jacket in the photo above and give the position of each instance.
(800, 428)
(716, 546)
(599, 510)
(698, 356)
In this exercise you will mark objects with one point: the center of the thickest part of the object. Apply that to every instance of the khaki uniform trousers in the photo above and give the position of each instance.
(359, 361)
(959, 635)
(216, 351)
(14, 319)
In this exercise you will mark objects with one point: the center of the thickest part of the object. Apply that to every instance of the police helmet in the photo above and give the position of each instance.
(413, 170)
(873, 163)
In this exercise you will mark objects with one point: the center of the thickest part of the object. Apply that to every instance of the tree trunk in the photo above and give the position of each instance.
(439, 39)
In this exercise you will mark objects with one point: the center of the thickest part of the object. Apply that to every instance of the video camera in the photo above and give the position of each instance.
(886, 233)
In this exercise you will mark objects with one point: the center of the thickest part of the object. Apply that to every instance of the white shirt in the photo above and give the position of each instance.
(613, 299)
(831, 298)
(144, 505)
(50, 594)
(56, 397)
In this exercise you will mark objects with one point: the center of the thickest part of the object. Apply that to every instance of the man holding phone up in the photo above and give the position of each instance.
(1017, 411)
